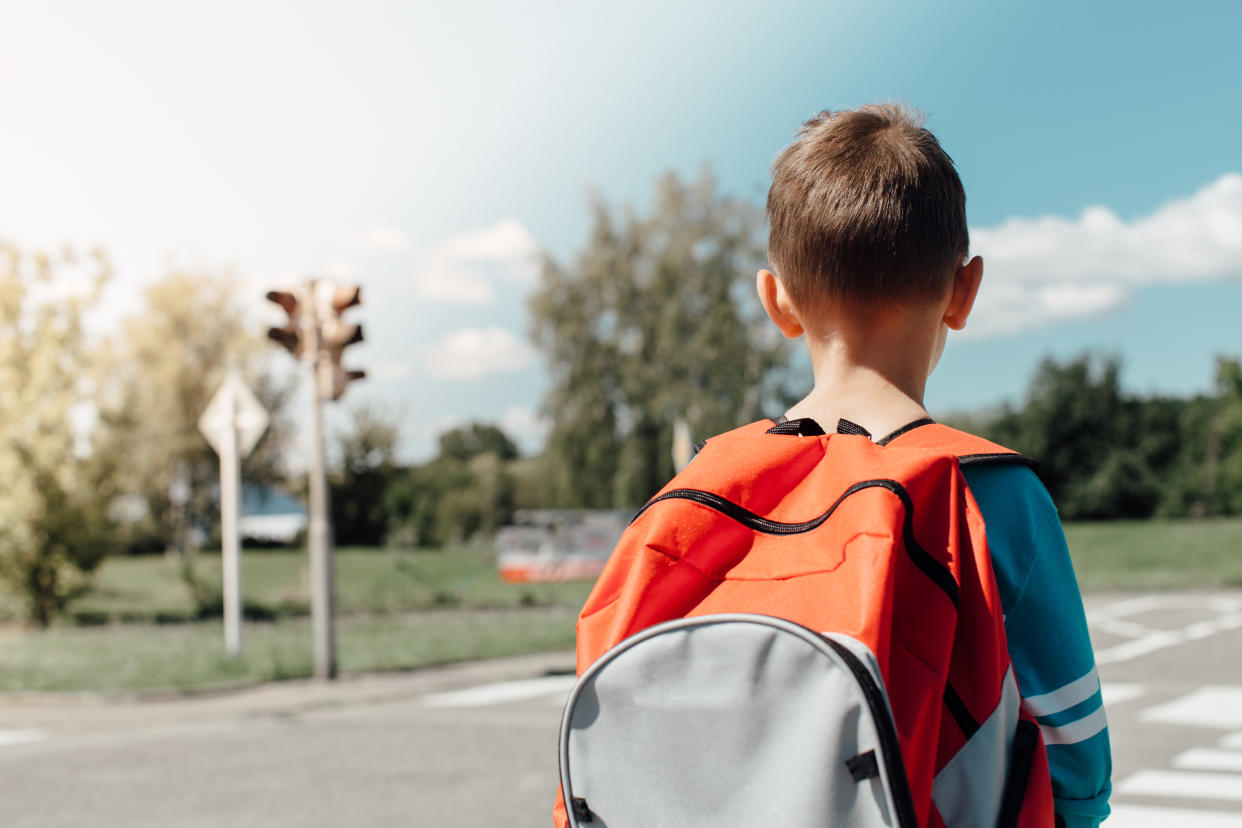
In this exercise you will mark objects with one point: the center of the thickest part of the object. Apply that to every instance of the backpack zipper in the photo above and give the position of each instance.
(886, 731)
(932, 568)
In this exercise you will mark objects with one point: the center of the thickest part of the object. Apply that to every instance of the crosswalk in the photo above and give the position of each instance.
(1211, 772)
(1168, 797)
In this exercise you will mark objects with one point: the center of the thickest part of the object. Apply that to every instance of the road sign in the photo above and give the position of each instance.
(233, 422)
(234, 410)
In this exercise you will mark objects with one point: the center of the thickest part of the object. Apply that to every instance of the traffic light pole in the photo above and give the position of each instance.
(316, 334)
(319, 534)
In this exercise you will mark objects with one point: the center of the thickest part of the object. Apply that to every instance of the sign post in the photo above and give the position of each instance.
(233, 423)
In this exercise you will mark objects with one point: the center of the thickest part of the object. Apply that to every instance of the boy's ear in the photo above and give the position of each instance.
(775, 300)
(966, 280)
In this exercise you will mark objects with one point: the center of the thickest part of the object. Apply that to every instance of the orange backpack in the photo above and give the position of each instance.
(881, 542)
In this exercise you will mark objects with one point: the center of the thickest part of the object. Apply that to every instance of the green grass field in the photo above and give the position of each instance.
(144, 628)
(1157, 554)
(185, 657)
(276, 584)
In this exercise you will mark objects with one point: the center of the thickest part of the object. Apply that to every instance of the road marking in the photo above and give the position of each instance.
(1143, 816)
(1130, 606)
(507, 691)
(1206, 707)
(1157, 641)
(1117, 626)
(1233, 740)
(1115, 693)
(1209, 759)
(1184, 784)
(21, 737)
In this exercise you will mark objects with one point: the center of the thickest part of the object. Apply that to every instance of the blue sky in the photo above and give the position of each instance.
(428, 150)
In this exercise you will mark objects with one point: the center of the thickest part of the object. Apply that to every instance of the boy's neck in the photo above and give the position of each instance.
(872, 374)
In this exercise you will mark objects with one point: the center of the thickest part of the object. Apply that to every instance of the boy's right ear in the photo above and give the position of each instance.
(775, 300)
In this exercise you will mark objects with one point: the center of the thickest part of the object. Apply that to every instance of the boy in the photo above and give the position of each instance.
(868, 240)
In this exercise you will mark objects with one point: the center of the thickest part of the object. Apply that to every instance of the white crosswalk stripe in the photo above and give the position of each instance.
(1115, 693)
(21, 737)
(1209, 759)
(1212, 774)
(1183, 785)
(1219, 707)
(1233, 740)
(508, 691)
(1143, 816)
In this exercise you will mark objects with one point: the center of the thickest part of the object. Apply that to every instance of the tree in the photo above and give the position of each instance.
(359, 497)
(1102, 453)
(653, 321)
(56, 493)
(161, 372)
(470, 488)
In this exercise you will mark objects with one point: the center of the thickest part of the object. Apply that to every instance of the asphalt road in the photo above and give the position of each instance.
(474, 745)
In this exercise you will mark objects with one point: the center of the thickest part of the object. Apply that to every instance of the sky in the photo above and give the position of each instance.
(430, 152)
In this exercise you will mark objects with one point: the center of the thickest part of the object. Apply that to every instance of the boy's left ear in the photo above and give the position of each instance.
(966, 280)
(776, 302)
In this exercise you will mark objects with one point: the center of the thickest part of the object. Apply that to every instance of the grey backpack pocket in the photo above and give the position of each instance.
(732, 720)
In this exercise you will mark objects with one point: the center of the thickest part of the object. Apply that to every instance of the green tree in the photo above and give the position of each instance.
(1102, 453)
(469, 488)
(359, 495)
(57, 491)
(653, 321)
(161, 372)
(1210, 464)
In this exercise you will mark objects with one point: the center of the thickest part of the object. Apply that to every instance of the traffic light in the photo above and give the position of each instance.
(335, 335)
(289, 335)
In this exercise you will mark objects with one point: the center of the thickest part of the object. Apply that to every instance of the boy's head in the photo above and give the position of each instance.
(866, 209)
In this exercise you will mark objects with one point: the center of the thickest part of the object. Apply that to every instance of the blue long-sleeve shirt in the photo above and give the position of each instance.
(1047, 633)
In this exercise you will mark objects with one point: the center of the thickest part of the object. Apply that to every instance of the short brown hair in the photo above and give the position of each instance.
(866, 207)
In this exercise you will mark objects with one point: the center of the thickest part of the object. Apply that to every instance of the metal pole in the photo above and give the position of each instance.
(319, 535)
(230, 503)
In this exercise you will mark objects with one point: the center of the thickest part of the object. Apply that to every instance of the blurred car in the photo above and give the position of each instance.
(557, 544)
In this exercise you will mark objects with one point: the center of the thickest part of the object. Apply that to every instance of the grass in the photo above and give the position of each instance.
(402, 609)
(276, 584)
(1157, 554)
(144, 628)
(184, 657)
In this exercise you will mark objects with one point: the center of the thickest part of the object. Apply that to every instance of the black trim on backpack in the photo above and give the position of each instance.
(886, 732)
(845, 426)
(862, 767)
(582, 812)
(961, 714)
(932, 568)
(999, 459)
(884, 441)
(1025, 741)
(803, 427)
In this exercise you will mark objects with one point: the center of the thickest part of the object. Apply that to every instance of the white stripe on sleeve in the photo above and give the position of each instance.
(1075, 732)
(1064, 697)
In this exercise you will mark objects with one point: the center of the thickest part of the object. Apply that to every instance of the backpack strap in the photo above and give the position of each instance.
(970, 450)
(921, 434)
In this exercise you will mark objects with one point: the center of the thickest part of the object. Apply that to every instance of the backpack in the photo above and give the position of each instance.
(803, 629)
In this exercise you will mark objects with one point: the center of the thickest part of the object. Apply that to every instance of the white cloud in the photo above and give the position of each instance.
(507, 240)
(444, 280)
(476, 352)
(523, 425)
(463, 269)
(1046, 269)
(386, 239)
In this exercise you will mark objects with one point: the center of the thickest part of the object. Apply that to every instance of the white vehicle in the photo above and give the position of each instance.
(557, 544)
